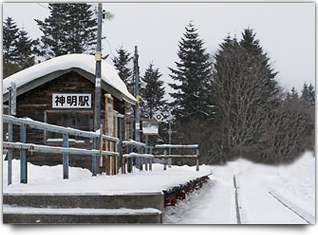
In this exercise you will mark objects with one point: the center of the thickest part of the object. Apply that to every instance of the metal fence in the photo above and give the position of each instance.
(136, 153)
(138, 159)
(167, 158)
(64, 150)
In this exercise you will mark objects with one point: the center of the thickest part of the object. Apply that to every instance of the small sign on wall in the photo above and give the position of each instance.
(72, 101)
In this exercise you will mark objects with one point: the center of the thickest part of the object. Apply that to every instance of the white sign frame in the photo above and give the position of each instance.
(72, 101)
(150, 127)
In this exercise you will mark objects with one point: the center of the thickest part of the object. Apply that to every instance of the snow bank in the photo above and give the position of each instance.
(48, 179)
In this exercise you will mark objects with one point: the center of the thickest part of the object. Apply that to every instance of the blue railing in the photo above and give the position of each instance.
(65, 150)
(143, 156)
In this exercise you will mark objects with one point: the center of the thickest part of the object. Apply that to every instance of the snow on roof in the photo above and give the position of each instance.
(64, 62)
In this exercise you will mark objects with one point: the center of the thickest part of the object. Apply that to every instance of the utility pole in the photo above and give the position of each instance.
(137, 113)
(98, 71)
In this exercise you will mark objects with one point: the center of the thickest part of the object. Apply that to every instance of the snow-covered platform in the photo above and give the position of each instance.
(131, 198)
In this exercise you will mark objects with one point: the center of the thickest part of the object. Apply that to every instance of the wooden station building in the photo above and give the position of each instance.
(61, 91)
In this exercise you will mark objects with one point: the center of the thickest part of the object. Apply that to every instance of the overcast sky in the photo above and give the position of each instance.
(286, 31)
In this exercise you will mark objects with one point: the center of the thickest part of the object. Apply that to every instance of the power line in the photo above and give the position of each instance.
(110, 48)
(42, 6)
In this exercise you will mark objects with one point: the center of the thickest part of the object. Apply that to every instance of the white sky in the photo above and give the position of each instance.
(286, 31)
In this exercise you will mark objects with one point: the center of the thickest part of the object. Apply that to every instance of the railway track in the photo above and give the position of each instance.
(237, 206)
(281, 201)
(291, 207)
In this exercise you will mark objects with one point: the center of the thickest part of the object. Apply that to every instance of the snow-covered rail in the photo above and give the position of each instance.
(237, 206)
(307, 218)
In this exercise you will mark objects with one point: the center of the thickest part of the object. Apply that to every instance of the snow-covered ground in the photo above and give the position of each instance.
(265, 194)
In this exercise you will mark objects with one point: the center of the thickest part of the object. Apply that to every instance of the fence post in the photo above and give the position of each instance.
(150, 160)
(165, 160)
(141, 159)
(10, 139)
(23, 159)
(129, 163)
(94, 160)
(146, 159)
(123, 160)
(197, 160)
(65, 157)
(115, 159)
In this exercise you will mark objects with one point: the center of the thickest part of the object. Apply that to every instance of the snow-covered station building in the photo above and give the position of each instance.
(61, 91)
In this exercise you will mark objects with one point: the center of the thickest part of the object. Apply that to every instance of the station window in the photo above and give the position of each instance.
(82, 120)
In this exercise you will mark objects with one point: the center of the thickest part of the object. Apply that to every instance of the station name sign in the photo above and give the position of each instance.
(72, 101)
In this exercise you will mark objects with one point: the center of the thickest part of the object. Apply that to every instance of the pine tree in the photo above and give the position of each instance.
(312, 95)
(192, 76)
(26, 50)
(308, 94)
(70, 28)
(294, 93)
(121, 64)
(152, 99)
(10, 35)
(153, 93)
(272, 90)
(82, 28)
(19, 50)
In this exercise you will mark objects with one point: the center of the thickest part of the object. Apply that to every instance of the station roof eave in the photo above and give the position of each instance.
(84, 64)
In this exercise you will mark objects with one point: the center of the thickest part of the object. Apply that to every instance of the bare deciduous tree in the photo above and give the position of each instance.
(254, 122)
(242, 94)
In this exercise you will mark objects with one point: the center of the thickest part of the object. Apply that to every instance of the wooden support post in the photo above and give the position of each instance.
(101, 145)
(65, 157)
(106, 133)
(23, 158)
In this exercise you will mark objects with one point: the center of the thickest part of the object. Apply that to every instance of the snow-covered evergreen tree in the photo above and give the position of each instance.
(308, 94)
(10, 35)
(26, 50)
(19, 50)
(192, 77)
(121, 64)
(294, 93)
(70, 28)
(153, 92)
